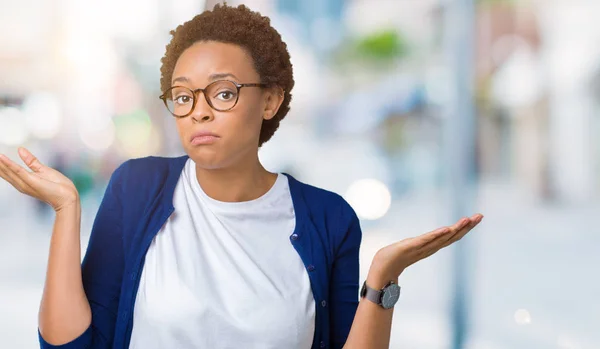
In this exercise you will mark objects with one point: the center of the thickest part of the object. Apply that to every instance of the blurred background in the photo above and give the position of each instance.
(416, 111)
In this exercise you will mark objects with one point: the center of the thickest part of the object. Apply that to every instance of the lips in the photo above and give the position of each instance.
(203, 137)
(203, 134)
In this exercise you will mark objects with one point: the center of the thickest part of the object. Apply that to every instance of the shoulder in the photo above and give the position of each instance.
(327, 201)
(149, 166)
(141, 181)
(148, 169)
(328, 211)
(319, 199)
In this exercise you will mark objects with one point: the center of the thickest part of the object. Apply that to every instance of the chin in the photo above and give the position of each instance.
(207, 160)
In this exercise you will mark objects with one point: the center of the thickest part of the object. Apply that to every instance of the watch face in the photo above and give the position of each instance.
(390, 296)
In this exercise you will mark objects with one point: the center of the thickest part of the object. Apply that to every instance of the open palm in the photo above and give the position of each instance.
(43, 183)
(391, 260)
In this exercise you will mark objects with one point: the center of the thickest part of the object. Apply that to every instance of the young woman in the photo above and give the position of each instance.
(210, 249)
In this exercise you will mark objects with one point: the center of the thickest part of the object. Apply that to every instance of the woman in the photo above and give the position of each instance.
(211, 250)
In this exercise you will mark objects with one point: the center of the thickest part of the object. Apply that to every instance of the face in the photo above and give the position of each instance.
(237, 130)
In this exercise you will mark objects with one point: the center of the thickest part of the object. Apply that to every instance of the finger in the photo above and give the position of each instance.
(426, 239)
(30, 160)
(16, 175)
(457, 231)
(475, 220)
(444, 243)
(439, 239)
(10, 177)
(464, 223)
(3, 173)
(411, 247)
(467, 224)
(425, 245)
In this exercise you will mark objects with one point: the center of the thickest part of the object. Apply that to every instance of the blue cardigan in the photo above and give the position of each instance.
(139, 200)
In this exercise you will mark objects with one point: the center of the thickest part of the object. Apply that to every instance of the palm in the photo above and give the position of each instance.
(43, 182)
(398, 256)
(53, 177)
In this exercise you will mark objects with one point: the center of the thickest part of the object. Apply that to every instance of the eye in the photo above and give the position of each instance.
(225, 95)
(182, 99)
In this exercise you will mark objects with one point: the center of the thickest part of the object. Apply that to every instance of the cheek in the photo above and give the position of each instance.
(182, 130)
(248, 123)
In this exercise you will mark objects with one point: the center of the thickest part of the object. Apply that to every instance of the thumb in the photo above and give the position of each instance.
(31, 161)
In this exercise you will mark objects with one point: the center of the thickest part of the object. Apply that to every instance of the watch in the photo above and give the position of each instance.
(386, 297)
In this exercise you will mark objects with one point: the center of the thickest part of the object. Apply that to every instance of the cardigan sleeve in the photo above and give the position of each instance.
(345, 279)
(102, 271)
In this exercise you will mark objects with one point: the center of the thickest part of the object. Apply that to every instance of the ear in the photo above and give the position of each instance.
(273, 99)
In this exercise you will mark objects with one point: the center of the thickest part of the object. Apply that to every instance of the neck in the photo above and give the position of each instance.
(241, 182)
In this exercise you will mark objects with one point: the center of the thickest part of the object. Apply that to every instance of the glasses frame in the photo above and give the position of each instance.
(196, 91)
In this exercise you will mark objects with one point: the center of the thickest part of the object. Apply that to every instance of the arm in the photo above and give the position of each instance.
(355, 324)
(372, 323)
(64, 310)
(344, 282)
(88, 322)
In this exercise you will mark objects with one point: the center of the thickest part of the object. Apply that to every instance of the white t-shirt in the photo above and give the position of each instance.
(224, 275)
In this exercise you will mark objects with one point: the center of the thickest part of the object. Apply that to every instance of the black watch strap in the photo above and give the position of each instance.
(370, 293)
(386, 297)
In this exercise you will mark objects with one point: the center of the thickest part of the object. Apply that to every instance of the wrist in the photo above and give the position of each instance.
(378, 280)
(72, 206)
(379, 275)
(383, 291)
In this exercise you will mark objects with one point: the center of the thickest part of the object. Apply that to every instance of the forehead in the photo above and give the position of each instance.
(203, 59)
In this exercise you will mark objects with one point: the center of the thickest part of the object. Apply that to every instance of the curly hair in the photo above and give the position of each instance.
(251, 31)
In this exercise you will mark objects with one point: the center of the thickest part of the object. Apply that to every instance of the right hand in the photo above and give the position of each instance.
(44, 183)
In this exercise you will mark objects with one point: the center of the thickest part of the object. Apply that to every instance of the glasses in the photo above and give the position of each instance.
(221, 95)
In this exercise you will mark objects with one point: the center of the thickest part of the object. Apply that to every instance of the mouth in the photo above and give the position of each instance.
(203, 138)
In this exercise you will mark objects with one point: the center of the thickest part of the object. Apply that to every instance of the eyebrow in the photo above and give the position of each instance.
(217, 76)
(211, 77)
(181, 79)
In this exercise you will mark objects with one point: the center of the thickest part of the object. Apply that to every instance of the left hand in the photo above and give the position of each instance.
(390, 261)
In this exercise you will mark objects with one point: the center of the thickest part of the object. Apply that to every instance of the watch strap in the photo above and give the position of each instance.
(371, 294)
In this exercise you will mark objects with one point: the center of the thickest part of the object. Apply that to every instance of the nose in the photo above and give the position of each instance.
(202, 110)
